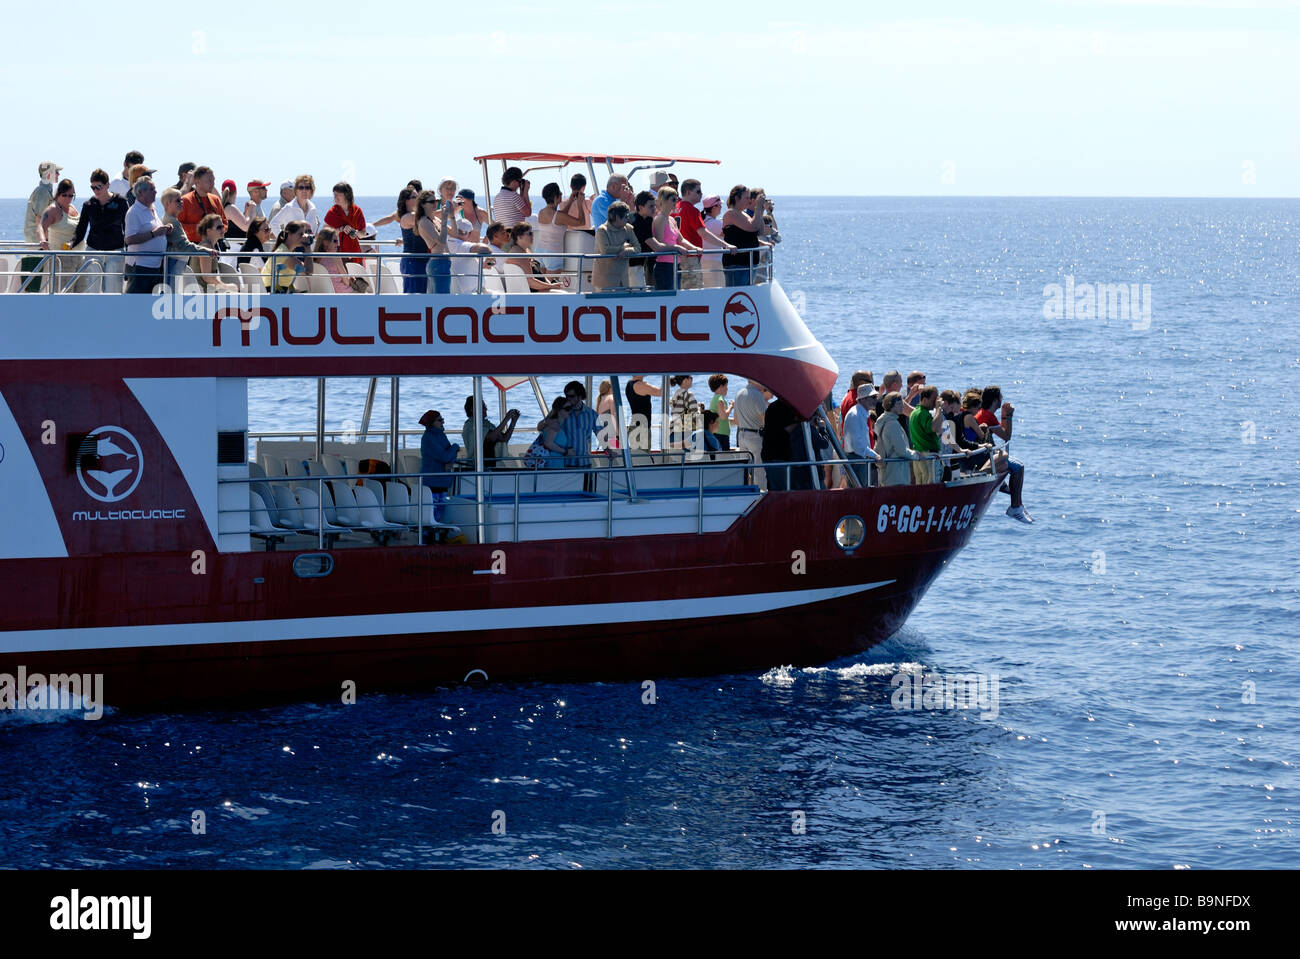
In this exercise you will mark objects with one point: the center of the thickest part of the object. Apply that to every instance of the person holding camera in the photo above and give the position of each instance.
(512, 205)
(348, 219)
(290, 257)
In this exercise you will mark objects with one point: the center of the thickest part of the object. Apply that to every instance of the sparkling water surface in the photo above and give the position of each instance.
(1143, 631)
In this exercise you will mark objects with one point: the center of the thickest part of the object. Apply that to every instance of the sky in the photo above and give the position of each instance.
(917, 98)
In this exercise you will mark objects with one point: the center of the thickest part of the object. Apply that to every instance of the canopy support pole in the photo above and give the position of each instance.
(394, 421)
(479, 439)
(320, 417)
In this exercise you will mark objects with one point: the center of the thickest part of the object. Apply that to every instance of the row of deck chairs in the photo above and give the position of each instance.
(384, 510)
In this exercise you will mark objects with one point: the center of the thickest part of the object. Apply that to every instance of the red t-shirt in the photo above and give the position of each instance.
(987, 418)
(355, 219)
(691, 222)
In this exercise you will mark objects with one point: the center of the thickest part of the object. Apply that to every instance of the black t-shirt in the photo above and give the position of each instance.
(776, 438)
(642, 226)
(638, 404)
(102, 225)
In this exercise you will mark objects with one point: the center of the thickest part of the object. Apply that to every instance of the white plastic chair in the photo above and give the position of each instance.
(346, 512)
(333, 464)
(251, 277)
(397, 503)
(274, 465)
(316, 469)
(515, 279)
(295, 467)
(388, 282)
(370, 515)
(493, 282)
(290, 512)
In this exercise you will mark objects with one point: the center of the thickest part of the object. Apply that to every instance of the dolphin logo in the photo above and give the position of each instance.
(740, 308)
(104, 446)
(110, 458)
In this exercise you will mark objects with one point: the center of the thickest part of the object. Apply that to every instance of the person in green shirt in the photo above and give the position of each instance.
(718, 404)
(922, 434)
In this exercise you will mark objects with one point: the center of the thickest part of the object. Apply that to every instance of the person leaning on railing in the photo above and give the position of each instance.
(616, 240)
(58, 225)
(743, 232)
(177, 241)
(924, 438)
(891, 443)
(37, 203)
(102, 226)
(666, 238)
(146, 239)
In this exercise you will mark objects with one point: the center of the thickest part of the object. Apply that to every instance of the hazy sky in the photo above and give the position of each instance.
(1126, 97)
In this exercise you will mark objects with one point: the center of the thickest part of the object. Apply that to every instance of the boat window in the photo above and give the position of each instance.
(313, 565)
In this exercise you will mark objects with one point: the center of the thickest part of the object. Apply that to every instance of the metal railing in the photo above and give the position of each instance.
(584, 489)
(48, 270)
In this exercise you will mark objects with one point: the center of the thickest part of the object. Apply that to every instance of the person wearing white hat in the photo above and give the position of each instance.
(857, 432)
(286, 196)
(37, 203)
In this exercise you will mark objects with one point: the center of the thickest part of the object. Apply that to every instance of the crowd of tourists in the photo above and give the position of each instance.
(668, 236)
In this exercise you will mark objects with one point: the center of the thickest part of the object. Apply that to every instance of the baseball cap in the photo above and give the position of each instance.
(47, 166)
(867, 391)
(253, 183)
(138, 170)
(228, 185)
(658, 179)
(286, 185)
(467, 193)
(709, 201)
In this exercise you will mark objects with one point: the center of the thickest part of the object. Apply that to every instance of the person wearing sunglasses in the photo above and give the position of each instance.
(300, 207)
(58, 225)
(103, 227)
(289, 258)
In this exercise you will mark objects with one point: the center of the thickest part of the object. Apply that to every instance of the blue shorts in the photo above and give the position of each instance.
(1014, 465)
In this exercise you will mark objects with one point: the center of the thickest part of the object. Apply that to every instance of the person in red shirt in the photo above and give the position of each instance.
(691, 225)
(851, 397)
(199, 202)
(347, 219)
(989, 398)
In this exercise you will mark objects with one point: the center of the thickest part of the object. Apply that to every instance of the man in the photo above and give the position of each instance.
(616, 188)
(693, 229)
(102, 226)
(146, 239)
(498, 237)
(893, 383)
(614, 236)
(780, 420)
(37, 203)
(751, 411)
(989, 399)
(922, 435)
(511, 205)
(496, 439)
(201, 201)
(851, 394)
(122, 185)
(286, 197)
(177, 241)
(577, 431)
(915, 383)
(858, 443)
(256, 194)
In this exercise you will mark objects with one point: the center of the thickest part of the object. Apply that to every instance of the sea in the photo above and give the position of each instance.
(1139, 643)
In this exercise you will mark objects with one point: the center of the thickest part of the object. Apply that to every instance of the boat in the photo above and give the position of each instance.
(140, 541)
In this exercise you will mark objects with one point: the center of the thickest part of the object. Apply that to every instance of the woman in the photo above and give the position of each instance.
(237, 227)
(706, 440)
(211, 233)
(57, 228)
(743, 232)
(607, 415)
(431, 226)
(545, 452)
(643, 225)
(556, 219)
(412, 264)
(718, 405)
(638, 393)
(348, 219)
(892, 445)
(665, 238)
(711, 274)
(288, 258)
(521, 241)
(302, 207)
(475, 218)
(437, 453)
(327, 241)
(683, 411)
(258, 240)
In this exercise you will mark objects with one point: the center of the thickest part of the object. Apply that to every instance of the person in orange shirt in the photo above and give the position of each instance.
(199, 202)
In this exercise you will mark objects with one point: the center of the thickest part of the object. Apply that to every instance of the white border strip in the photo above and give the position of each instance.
(430, 622)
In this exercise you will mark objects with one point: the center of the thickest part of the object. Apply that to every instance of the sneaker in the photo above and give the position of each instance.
(1018, 512)
(1004, 488)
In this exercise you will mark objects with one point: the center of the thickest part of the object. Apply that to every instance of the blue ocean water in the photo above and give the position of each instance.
(1144, 630)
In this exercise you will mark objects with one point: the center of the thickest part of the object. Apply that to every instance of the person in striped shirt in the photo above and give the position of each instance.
(511, 205)
(578, 429)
